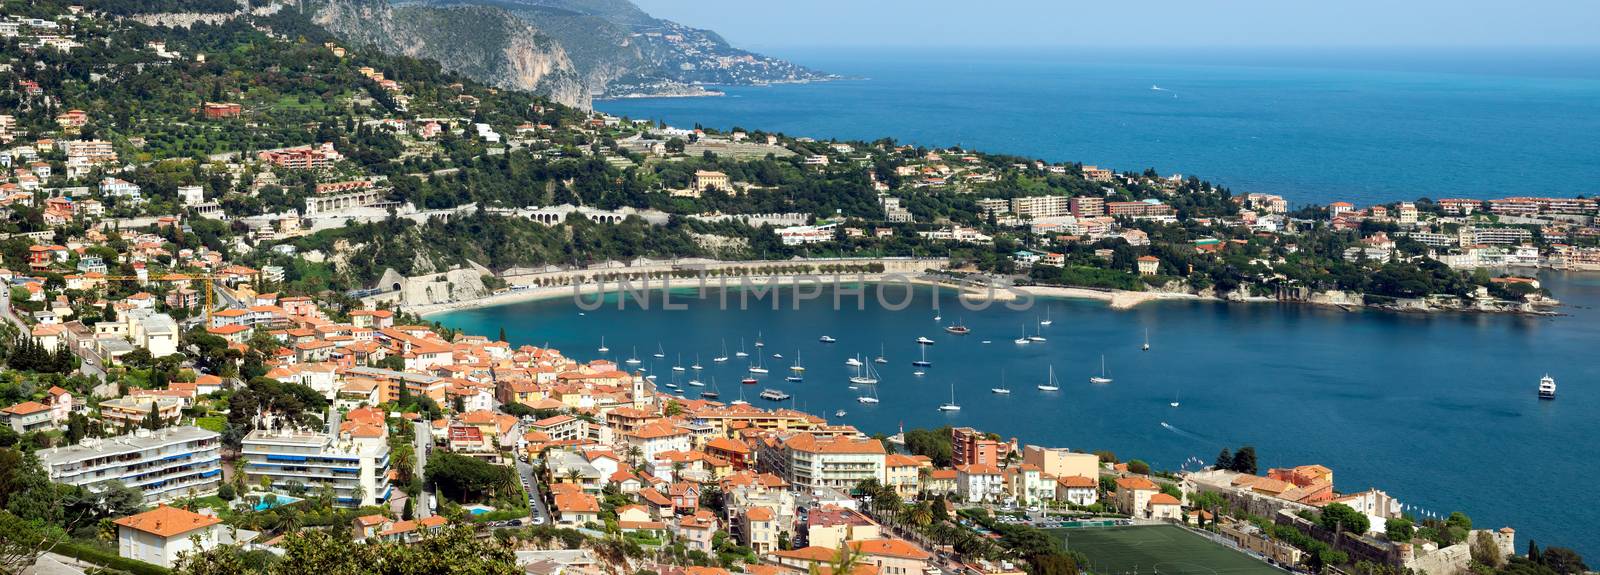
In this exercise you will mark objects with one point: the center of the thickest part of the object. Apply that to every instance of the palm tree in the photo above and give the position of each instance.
(920, 515)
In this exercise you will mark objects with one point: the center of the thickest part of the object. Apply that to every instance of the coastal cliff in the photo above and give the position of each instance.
(484, 43)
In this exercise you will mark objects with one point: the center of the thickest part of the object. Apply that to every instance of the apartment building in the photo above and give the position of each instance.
(165, 465)
(352, 458)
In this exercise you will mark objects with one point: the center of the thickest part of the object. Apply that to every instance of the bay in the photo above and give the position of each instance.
(1314, 126)
(1438, 410)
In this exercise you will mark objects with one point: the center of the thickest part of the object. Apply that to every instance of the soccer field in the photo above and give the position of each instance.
(1157, 550)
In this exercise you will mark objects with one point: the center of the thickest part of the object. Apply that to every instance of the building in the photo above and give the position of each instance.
(303, 157)
(1040, 206)
(165, 465)
(809, 462)
(342, 196)
(969, 446)
(759, 530)
(353, 460)
(893, 556)
(159, 536)
(707, 180)
(132, 411)
(980, 482)
(1133, 496)
(575, 508)
(1077, 490)
(27, 416)
(1061, 462)
(1096, 174)
(219, 110)
(1087, 207)
(1149, 265)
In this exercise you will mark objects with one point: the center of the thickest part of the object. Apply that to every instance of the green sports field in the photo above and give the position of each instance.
(1157, 550)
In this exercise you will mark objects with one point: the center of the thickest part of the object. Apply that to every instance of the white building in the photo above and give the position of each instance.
(980, 482)
(166, 464)
(160, 535)
(191, 195)
(354, 461)
(809, 462)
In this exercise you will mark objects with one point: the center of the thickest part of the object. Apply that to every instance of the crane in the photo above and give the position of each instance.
(207, 278)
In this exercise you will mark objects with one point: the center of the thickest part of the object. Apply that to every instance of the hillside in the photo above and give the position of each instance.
(619, 50)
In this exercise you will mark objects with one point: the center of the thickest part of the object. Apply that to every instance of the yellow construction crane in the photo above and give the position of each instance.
(208, 279)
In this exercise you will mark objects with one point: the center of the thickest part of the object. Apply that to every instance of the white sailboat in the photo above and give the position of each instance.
(679, 367)
(696, 366)
(1046, 320)
(759, 345)
(1002, 390)
(1023, 339)
(869, 399)
(741, 400)
(661, 352)
(1175, 397)
(1037, 337)
(741, 352)
(1146, 340)
(864, 375)
(603, 348)
(758, 368)
(724, 357)
(924, 361)
(1103, 377)
(881, 356)
(634, 359)
(1050, 383)
(952, 406)
(797, 367)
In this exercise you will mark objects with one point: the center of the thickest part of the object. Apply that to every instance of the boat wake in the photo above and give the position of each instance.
(1185, 433)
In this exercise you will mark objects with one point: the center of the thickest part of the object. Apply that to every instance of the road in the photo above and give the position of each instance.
(536, 507)
(424, 441)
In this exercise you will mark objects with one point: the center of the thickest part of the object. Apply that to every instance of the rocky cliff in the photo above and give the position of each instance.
(483, 42)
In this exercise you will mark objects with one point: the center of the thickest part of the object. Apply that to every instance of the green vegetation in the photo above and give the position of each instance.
(1163, 549)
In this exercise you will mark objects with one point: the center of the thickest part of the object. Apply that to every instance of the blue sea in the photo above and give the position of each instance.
(1314, 126)
(1440, 411)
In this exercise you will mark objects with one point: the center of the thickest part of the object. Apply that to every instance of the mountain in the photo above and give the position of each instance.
(482, 42)
(614, 48)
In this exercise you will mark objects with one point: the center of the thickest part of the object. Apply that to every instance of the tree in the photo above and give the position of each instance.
(454, 550)
(1055, 564)
(1224, 460)
(152, 420)
(1245, 460)
(1484, 550)
(1341, 517)
(1399, 530)
(503, 334)
(226, 492)
(1139, 467)
(1564, 561)
(409, 511)
(1533, 552)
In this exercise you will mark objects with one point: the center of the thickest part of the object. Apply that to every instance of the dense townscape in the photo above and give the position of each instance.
(218, 241)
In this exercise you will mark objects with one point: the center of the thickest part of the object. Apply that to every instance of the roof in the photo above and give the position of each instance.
(891, 548)
(577, 502)
(167, 522)
(1136, 483)
(1076, 481)
(812, 553)
(26, 408)
(759, 514)
(1163, 499)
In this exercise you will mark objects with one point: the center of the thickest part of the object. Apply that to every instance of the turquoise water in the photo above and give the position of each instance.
(1312, 126)
(1440, 411)
(280, 502)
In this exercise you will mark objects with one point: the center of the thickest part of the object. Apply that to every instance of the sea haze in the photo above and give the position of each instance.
(1361, 125)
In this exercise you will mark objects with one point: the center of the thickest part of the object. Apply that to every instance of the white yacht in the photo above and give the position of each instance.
(827, 339)
(1050, 383)
(1547, 387)
(1103, 377)
(924, 340)
(864, 376)
(952, 406)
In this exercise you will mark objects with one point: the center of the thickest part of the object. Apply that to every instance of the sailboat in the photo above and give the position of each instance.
(1023, 339)
(1037, 337)
(1175, 397)
(1102, 378)
(758, 367)
(869, 399)
(741, 352)
(603, 348)
(1050, 384)
(741, 400)
(696, 366)
(924, 361)
(864, 376)
(679, 367)
(797, 366)
(881, 358)
(1046, 320)
(1002, 390)
(1146, 340)
(759, 345)
(952, 406)
(714, 393)
(661, 352)
(634, 359)
(724, 357)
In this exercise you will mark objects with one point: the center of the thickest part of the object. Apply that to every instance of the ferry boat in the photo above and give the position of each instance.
(1547, 387)
(1102, 378)
(827, 339)
(1050, 383)
(774, 395)
(924, 340)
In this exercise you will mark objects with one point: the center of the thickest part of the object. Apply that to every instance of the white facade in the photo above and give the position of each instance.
(161, 550)
(356, 467)
(165, 464)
